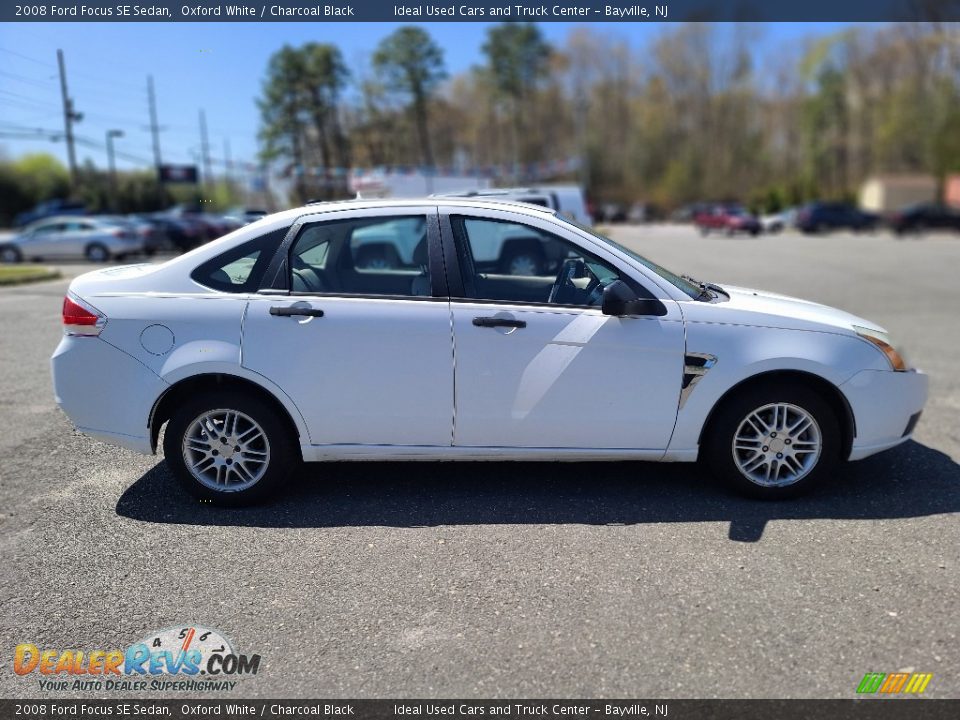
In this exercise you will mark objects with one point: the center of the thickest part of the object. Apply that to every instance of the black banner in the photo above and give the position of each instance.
(867, 709)
(415, 11)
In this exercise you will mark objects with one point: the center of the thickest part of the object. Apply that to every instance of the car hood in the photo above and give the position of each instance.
(748, 306)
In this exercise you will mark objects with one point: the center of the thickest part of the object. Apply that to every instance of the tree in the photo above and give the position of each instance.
(412, 64)
(517, 56)
(281, 112)
(324, 77)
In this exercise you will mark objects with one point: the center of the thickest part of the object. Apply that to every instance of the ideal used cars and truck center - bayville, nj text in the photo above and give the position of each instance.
(341, 11)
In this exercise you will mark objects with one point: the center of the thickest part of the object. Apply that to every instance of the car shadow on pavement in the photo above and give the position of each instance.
(910, 481)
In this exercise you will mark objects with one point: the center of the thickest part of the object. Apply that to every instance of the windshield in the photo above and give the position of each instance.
(678, 282)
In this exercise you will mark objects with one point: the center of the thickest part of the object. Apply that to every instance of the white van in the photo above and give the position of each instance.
(567, 200)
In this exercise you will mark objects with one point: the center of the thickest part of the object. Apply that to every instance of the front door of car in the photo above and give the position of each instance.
(45, 241)
(538, 365)
(365, 352)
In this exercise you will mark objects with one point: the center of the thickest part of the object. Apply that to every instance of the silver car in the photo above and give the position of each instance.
(73, 237)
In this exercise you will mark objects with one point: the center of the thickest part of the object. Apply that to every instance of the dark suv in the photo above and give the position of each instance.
(821, 216)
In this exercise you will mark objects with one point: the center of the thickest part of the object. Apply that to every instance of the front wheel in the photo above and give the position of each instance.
(774, 441)
(96, 252)
(10, 254)
(229, 449)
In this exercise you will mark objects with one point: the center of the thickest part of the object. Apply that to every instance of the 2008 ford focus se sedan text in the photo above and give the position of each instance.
(292, 340)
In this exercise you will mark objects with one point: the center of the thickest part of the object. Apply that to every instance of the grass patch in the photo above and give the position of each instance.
(17, 274)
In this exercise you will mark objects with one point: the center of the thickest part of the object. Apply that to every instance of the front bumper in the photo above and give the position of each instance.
(105, 392)
(885, 407)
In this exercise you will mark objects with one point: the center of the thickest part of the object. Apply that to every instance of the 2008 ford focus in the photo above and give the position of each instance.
(372, 330)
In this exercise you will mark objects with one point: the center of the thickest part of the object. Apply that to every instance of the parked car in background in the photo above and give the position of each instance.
(73, 237)
(643, 212)
(568, 200)
(778, 221)
(210, 226)
(687, 213)
(152, 240)
(727, 219)
(823, 216)
(49, 208)
(271, 347)
(244, 215)
(181, 234)
(925, 217)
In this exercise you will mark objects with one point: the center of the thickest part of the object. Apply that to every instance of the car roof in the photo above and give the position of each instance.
(487, 203)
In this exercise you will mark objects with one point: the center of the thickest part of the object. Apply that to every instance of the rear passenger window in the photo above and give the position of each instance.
(240, 269)
(380, 255)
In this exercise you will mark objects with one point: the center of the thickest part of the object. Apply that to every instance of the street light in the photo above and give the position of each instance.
(111, 134)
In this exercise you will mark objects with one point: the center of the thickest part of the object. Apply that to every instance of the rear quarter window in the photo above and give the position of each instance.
(240, 269)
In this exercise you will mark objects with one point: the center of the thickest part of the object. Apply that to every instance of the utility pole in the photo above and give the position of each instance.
(154, 127)
(205, 152)
(69, 116)
(111, 134)
(228, 159)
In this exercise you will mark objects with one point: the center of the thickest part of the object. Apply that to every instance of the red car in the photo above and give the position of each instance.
(727, 219)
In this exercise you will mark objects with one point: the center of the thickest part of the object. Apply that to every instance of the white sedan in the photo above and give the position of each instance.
(272, 346)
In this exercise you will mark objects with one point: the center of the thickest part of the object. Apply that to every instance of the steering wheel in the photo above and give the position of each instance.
(595, 291)
(565, 291)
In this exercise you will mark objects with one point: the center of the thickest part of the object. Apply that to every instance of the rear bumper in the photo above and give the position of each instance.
(105, 392)
(886, 407)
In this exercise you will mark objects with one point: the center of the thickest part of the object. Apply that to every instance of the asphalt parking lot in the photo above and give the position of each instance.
(513, 580)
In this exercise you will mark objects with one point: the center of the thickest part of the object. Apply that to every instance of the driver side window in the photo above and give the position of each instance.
(510, 262)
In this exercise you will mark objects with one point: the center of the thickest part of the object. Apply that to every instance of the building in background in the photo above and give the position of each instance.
(885, 193)
(413, 183)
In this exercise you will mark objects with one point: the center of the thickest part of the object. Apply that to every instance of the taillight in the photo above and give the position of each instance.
(79, 318)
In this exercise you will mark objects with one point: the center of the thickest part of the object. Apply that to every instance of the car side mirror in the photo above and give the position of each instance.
(619, 300)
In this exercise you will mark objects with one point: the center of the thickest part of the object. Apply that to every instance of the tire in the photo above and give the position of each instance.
(255, 423)
(96, 252)
(10, 254)
(742, 417)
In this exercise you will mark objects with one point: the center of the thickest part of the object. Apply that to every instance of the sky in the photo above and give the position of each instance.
(217, 67)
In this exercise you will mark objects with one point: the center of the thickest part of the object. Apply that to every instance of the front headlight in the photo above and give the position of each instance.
(882, 341)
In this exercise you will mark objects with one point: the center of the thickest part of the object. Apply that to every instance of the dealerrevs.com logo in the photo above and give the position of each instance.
(178, 658)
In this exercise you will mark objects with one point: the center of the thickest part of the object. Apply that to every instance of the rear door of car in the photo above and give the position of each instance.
(365, 353)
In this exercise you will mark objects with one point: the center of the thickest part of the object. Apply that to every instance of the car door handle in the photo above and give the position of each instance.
(499, 322)
(295, 311)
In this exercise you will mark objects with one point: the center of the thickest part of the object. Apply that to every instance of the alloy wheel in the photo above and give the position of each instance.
(777, 445)
(226, 450)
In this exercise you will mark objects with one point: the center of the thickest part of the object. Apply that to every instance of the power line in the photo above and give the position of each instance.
(25, 79)
(27, 57)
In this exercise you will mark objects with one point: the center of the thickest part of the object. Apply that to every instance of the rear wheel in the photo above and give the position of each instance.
(229, 449)
(96, 252)
(774, 441)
